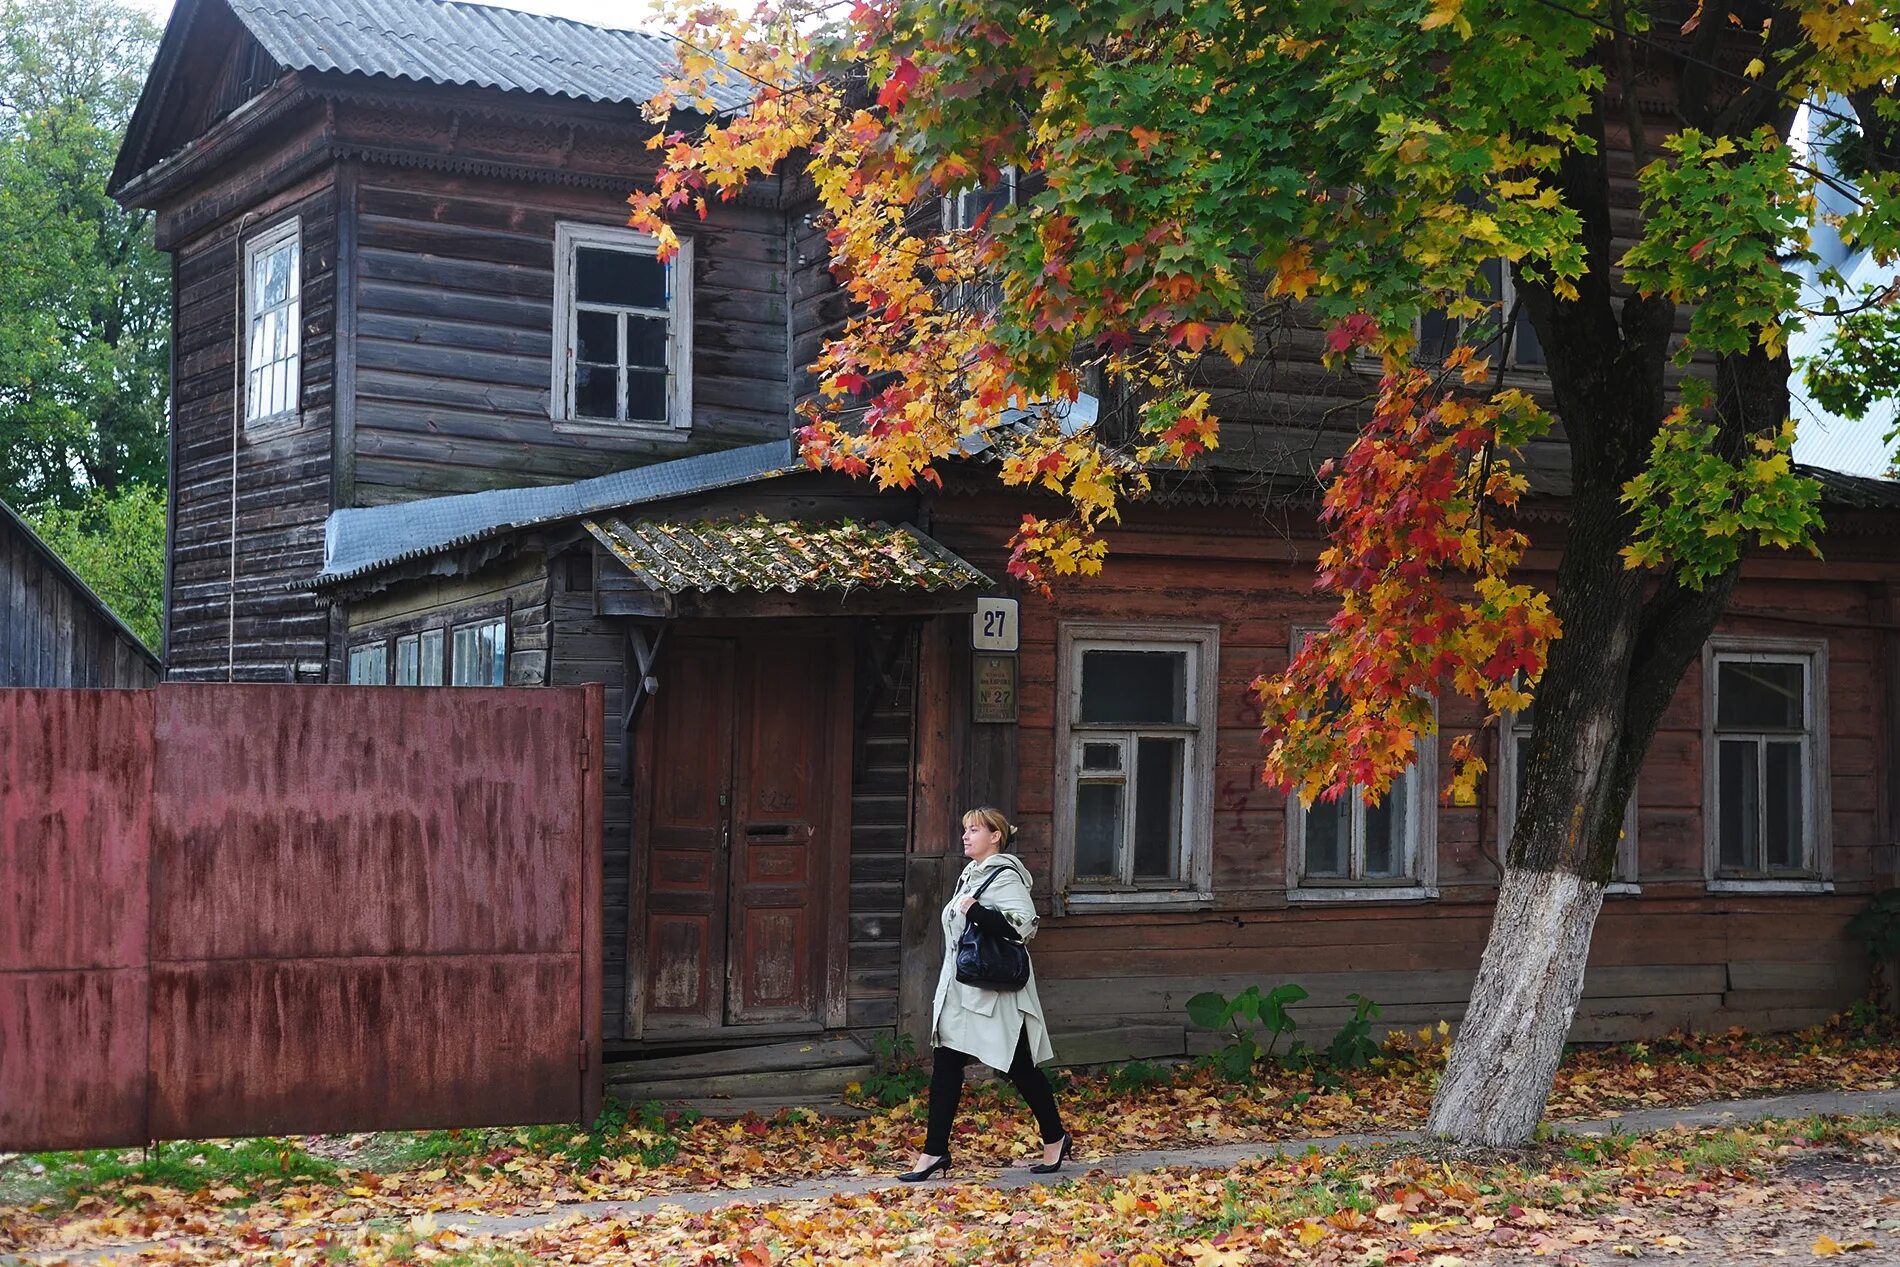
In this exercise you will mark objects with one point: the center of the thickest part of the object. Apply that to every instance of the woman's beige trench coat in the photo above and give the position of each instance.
(985, 1023)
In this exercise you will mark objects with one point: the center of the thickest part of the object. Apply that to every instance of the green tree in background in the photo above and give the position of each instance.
(84, 297)
(116, 542)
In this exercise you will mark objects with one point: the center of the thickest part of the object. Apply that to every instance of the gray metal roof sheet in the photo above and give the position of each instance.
(444, 42)
(359, 541)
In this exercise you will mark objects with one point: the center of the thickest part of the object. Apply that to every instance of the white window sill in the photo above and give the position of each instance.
(656, 432)
(1082, 901)
(1319, 895)
(1771, 886)
(1627, 888)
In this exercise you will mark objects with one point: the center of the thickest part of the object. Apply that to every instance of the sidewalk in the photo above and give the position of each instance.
(1719, 1113)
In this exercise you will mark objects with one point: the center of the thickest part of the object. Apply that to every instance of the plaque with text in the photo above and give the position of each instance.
(995, 677)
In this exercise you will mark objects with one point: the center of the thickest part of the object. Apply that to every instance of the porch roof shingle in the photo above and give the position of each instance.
(763, 555)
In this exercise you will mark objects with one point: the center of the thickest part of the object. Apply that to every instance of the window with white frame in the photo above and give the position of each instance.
(1765, 762)
(971, 209)
(273, 303)
(1513, 755)
(1439, 333)
(623, 330)
(478, 655)
(1136, 708)
(369, 664)
(1345, 849)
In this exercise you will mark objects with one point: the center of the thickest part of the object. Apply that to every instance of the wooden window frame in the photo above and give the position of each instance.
(1817, 801)
(439, 624)
(262, 243)
(568, 238)
(1192, 888)
(1628, 876)
(1420, 881)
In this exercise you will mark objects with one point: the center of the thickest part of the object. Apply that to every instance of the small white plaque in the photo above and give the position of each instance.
(994, 626)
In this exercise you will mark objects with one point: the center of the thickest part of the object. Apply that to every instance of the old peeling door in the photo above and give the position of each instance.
(745, 839)
(688, 819)
(777, 933)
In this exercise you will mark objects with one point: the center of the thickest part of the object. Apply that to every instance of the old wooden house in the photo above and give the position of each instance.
(54, 630)
(481, 435)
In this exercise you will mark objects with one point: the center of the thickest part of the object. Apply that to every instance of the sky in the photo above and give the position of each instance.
(627, 13)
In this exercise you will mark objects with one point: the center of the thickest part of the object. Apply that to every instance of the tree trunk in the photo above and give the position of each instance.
(1505, 1059)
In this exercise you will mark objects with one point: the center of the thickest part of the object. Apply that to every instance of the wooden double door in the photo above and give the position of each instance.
(742, 855)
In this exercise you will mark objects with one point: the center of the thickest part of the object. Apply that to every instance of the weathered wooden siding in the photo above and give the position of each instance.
(454, 304)
(277, 632)
(517, 587)
(53, 630)
(880, 820)
(1675, 955)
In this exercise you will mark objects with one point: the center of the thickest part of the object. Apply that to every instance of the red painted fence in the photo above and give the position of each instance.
(240, 910)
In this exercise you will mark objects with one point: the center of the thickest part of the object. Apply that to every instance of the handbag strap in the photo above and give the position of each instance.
(995, 872)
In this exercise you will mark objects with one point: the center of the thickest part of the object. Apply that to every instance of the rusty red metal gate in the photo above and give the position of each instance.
(240, 910)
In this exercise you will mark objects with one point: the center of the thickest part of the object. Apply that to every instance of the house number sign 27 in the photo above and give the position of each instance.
(994, 626)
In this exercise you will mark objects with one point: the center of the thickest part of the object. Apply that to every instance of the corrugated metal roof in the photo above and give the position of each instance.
(759, 554)
(357, 542)
(443, 42)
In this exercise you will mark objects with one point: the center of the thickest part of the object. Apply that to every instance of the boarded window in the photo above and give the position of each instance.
(623, 329)
(273, 305)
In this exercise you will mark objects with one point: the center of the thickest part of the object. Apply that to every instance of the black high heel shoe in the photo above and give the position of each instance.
(918, 1176)
(1051, 1167)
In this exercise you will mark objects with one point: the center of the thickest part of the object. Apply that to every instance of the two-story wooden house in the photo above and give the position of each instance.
(441, 419)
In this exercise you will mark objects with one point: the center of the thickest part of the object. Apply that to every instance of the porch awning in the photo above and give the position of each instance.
(672, 564)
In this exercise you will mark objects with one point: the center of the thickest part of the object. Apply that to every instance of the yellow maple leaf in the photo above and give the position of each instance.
(1312, 1233)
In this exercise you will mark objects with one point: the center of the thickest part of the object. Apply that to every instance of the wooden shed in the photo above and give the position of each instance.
(54, 631)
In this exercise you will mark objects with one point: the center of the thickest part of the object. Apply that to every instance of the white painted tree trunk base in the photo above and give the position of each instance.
(1505, 1057)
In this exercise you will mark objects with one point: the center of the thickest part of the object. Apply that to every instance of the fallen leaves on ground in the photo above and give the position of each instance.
(1678, 1194)
(541, 1170)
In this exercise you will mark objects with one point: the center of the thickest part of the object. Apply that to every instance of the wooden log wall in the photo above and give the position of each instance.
(454, 310)
(275, 631)
(1674, 955)
(53, 630)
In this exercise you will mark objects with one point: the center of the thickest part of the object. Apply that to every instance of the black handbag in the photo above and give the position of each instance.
(989, 960)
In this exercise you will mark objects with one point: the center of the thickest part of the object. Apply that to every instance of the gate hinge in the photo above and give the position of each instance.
(587, 754)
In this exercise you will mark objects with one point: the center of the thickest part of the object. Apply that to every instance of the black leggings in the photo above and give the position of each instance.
(946, 1088)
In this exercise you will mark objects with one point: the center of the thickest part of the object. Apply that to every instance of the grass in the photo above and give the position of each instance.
(260, 1167)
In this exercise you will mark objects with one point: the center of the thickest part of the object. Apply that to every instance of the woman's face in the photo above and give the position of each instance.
(980, 841)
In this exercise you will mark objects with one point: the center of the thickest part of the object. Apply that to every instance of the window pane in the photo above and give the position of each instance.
(1521, 754)
(1739, 803)
(597, 337)
(369, 665)
(1102, 756)
(497, 654)
(277, 275)
(407, 658)
(619, 277)
(1157, 806)
(646, 341)
(1526, 348)
(646, 396)
(596, 392)
(1327, 827)
(1437, 336)
(1134, 686)
(1761, 696)
(1385, 832)
(261, 338)
(1098, 830)
(430, 673)
(982, 204)
(1783, 792)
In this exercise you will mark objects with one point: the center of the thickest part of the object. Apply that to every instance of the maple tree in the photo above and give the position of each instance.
(1190, 174)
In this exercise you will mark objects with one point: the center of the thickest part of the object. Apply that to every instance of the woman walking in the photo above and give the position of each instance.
(1001, 1028)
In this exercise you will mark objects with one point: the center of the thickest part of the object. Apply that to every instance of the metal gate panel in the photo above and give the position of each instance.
(359, 908)
(75, 803)
(371, 916)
